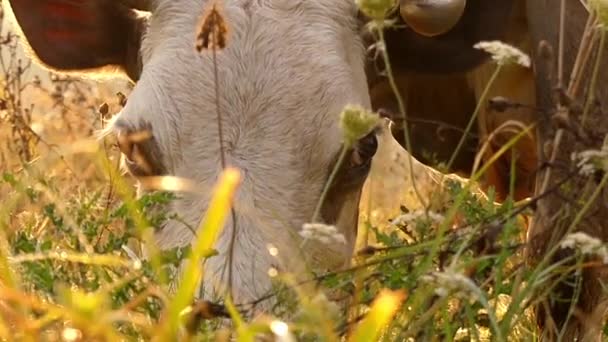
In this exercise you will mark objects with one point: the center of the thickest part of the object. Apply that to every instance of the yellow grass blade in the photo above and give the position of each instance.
(381, 313)
(208, 232)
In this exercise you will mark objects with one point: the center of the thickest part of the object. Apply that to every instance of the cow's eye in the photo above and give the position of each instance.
(363, 152)
(350, 177)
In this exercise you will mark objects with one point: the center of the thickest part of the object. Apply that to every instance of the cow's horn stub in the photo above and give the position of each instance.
(431, 17)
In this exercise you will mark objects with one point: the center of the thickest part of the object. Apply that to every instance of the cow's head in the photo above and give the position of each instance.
(289, 68)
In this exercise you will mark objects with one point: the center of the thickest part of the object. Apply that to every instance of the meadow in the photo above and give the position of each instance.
(72, 233)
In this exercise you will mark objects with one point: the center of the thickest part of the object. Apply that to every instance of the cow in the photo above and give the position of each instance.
(442, 79)
(288, 68)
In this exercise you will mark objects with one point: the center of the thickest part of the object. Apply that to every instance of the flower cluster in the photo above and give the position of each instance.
(586, 244)
(331, 308)
(356, 123)
(504, 54)
(449, 281)
(590, 161)
(323, 233)
(376, 9)
(416, 215)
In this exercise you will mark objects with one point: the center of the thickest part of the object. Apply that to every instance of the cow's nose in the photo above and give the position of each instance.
(141, 152)
(124, 143)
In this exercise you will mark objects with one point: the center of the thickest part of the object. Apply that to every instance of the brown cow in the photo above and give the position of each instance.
(442, 77)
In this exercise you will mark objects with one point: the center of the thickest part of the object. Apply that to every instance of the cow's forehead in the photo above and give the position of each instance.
(173, 16)
(287, 72)
(259, 28)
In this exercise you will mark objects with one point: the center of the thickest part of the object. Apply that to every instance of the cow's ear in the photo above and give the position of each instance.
(81, 35)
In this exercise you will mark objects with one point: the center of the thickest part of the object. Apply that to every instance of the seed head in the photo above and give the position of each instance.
(601, 8)
(213, 30)
(376, 9)
(356, 123)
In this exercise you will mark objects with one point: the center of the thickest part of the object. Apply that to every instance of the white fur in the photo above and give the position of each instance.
(289, 69)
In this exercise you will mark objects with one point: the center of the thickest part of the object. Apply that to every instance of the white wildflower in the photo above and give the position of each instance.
(330, 307)
(441, 292)
(319, 306)
(589, 161)
(326, 234)
(503, 53)
(415, 215)
(450, 281)
(586, 244)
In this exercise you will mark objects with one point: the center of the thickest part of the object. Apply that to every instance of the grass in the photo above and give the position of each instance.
(71, 232)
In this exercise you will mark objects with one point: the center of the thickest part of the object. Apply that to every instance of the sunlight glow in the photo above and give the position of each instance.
(71, 334)
(167, 183)
(272, 272)
(272, 250)
(279, 328)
